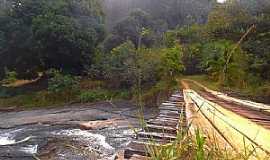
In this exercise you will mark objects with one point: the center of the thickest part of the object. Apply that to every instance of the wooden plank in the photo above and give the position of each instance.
(172, 103)
(138, 157)
(173, 107)
(163, 116)
(163, 123)
(169, 120)
(154, 140)
(174, 99)
(177, 95)
(154, 135)
(138, 148)
(169, 112)
(161, 129)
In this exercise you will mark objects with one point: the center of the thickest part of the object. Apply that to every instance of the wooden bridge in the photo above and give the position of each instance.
(161, 130)
(239, 124)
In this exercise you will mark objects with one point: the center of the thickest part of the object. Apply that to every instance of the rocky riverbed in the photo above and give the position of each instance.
(57, 133)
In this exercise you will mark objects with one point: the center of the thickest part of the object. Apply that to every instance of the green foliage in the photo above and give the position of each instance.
(172, 13)
(150, 66)
(38, 35)
(10, 77)
(126, 64)
(37, 100)
(200, 142)
(131, 29)
(4, 93)
(193, 59)
(207, 47)
(215, 56)
(140, 69)
(59, 83)
(101, 95)
(158, 93)
(263, 92)
(192, 34)
(258, 45)
(121, 68)
(172, 61)
(92, 96)
(228, 21)
(170, 38)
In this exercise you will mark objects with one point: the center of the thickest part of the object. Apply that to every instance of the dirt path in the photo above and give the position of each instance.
(184, 84)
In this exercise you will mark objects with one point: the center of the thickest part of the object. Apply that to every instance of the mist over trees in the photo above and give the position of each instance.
(172, 12)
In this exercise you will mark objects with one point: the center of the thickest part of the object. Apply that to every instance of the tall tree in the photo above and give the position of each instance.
(46, 34)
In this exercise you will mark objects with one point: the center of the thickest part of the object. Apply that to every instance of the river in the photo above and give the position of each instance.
(55, 133)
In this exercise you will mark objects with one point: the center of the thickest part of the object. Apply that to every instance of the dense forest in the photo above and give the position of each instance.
(170, 14)
(146, 79)
(131, 43)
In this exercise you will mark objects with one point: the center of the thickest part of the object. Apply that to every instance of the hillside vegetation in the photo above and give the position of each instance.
(135, 47)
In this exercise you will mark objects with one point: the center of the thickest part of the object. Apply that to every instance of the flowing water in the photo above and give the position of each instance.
(55, 133)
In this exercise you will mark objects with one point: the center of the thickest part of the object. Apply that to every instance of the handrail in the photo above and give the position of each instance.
(222, 119)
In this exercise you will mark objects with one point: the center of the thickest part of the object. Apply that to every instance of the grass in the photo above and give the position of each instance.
(36, 95)
(159, 92)
(102, 94)
(200, 146)
(37, 99)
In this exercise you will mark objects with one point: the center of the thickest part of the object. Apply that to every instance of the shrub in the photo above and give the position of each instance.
(158, 93)
(264, 91)
(94, 95)
(60, 82)
(215, 57)
(10, 77)
(192, 59)
(121, 65)
(4, 93)
(172, 61)
(101, 95)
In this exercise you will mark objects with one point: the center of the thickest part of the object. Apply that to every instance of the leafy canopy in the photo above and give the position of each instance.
(43, 34)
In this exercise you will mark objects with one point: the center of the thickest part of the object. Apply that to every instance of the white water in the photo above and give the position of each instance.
(94, 139)
(7, 138)
(6, 141)
(31, 149)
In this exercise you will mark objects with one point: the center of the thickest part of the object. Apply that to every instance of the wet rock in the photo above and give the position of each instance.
(9, 109)
(56, 135)
(96, 125)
